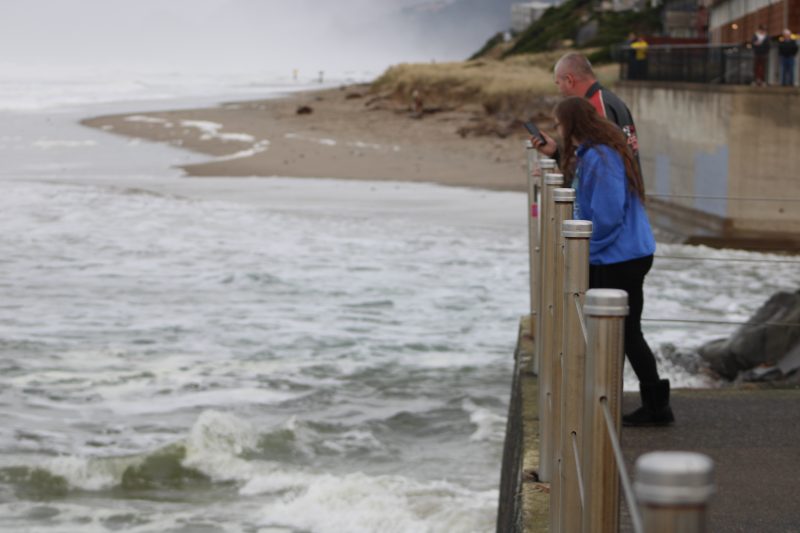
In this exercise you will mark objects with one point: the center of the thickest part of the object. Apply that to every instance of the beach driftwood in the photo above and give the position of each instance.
(766, 348)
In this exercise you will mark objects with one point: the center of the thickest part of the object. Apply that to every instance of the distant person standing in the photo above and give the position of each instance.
(787, 50)
(760, 43)
(574, 76)
(639, 62)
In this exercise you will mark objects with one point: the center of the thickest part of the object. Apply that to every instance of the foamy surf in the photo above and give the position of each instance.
(223, 449)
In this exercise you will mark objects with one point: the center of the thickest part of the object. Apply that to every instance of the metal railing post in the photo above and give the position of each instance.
(576, 282)
(544, 337)
(544, 325)
(563, 200)
(537, 167)
(673, 490)
(605, 311)
(533, 213)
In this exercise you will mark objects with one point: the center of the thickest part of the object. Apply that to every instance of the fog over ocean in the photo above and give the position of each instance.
(258, 355)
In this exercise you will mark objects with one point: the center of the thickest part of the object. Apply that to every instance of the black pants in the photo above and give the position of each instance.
(629, 276)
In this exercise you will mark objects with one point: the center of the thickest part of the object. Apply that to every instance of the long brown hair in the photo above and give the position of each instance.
(581, 123)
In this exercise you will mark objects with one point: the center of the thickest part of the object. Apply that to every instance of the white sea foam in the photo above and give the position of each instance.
(216, 443)
(257, 148)
(209, 129)
(195, 400)
(87, 474)
(47, 144)
(489, 425)
(361, 144)
(354, 441)
(146, 119)
(358, 503)
(319, 140)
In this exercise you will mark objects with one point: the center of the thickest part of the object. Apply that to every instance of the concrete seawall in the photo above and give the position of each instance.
(524, 503)
(707, 142)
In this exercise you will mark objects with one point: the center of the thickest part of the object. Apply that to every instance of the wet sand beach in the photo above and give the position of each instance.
(349, 133)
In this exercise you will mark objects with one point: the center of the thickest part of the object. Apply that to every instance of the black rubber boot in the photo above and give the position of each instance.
(655, 409)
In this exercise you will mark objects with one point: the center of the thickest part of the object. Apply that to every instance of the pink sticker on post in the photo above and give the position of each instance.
(534, 210)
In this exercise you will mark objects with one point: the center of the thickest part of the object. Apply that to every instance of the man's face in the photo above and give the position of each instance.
(565, 82)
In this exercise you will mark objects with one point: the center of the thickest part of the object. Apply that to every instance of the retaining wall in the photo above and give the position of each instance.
(720, 141)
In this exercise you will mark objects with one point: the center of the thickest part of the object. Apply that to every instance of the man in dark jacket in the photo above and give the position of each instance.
(787, 49)
(574, 77)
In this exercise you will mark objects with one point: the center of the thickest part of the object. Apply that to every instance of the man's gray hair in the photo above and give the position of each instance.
(576, 64)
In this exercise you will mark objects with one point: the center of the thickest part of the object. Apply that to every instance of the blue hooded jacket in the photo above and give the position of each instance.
(620, 228)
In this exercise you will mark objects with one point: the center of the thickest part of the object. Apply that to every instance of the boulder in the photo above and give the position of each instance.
(770, 339)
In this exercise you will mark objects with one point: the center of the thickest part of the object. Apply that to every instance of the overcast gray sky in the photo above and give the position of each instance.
(235, 35)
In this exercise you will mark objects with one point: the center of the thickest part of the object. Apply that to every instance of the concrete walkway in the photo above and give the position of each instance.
(753, 436)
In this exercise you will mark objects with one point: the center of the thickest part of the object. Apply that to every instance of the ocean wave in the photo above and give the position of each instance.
(212, 452)
(220, 448)
(358, 503)
(489, 426)
(225, 450)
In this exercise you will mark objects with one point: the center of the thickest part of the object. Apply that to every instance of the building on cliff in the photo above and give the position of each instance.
(735, 21)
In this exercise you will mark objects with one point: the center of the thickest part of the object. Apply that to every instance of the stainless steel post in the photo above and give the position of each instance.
(576, 282)
(544, 336)
(673, 490)
(563, 199)
(605, 311)
(537, 168)
(533, 175)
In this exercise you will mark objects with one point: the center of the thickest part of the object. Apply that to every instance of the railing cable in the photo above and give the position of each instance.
(623, 472)
(708, 197)
(720, 322)
(581, 490)
(730, 259)
(581, 319)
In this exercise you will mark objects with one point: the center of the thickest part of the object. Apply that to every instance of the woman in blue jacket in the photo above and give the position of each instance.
(601, 167)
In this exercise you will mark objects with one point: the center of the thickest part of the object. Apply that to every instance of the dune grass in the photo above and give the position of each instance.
(504, 87)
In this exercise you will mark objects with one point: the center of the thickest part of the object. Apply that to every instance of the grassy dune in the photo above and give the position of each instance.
(513, 88)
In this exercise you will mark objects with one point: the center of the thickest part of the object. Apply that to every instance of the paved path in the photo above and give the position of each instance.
(753, 436)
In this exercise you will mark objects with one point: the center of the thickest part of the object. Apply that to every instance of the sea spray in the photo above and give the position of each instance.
(216, 443)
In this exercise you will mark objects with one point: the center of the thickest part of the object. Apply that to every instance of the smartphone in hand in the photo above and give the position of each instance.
(534, 131)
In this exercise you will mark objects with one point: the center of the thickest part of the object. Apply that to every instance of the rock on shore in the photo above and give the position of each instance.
(766, 348)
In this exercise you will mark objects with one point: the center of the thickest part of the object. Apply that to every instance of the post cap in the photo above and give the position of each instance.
(547, 163)
(564, 195)
(606, 302)
(674, 478)
(552, 178)
(576, 229)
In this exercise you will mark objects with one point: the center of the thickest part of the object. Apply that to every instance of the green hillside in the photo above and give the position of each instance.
(559, 27)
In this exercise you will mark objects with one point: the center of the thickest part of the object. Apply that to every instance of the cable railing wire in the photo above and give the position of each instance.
(584, 331)
(630, 498)
(713, 197)
(731, 259)
(719, 322)
(581, 319)
(581, 490)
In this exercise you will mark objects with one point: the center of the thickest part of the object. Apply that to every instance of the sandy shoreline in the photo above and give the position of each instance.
(350, 134)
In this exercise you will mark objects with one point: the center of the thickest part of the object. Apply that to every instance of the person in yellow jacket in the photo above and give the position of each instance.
(638, 66)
